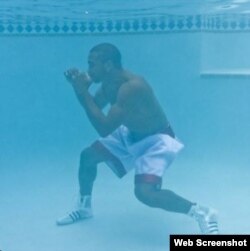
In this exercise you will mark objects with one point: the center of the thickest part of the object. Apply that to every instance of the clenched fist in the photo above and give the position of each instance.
(80, 81)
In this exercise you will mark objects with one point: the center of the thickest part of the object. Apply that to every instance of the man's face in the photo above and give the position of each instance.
(96, 68)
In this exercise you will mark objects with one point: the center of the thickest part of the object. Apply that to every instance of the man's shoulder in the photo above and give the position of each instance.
(135, 85)
(133, 90)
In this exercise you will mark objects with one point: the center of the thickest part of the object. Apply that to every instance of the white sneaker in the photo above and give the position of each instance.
(206, 218)
(83, 211)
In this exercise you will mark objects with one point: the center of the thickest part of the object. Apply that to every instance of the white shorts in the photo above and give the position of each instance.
(149, 156)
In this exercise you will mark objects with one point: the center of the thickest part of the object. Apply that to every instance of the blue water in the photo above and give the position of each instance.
(43, 129)
(78, 10)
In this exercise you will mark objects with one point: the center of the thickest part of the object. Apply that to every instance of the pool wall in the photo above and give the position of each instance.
(40, 115)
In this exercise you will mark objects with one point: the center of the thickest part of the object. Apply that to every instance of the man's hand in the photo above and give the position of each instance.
(80, 81)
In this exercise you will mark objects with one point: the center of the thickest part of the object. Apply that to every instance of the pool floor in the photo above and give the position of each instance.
(34, 195)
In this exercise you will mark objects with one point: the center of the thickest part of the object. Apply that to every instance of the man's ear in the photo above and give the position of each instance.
(108, 66)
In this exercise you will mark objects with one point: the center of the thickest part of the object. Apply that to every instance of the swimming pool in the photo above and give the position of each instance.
(198, 65)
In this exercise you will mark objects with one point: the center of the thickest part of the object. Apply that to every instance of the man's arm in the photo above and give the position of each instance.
(80, 80)
(128, 97)
(104, 124)
(100, 98)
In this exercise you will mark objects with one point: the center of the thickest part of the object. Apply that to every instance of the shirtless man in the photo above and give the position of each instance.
(135, 133)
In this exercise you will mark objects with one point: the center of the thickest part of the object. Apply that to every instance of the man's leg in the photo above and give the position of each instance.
(89, 159)
(152, 195)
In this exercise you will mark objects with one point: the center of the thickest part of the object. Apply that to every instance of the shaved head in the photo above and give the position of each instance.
(108, 52)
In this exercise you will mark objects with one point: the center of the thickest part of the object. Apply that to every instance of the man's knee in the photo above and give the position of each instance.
(88, 157)
(88, 165)
(145, 193)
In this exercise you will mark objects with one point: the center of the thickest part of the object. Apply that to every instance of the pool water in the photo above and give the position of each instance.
(199, 73)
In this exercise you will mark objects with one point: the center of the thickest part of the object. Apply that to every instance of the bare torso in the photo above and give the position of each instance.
(142, 113)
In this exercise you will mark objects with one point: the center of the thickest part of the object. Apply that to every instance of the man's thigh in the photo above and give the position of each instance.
(101, 154)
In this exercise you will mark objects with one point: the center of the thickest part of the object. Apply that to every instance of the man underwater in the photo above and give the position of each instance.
(135, 133)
